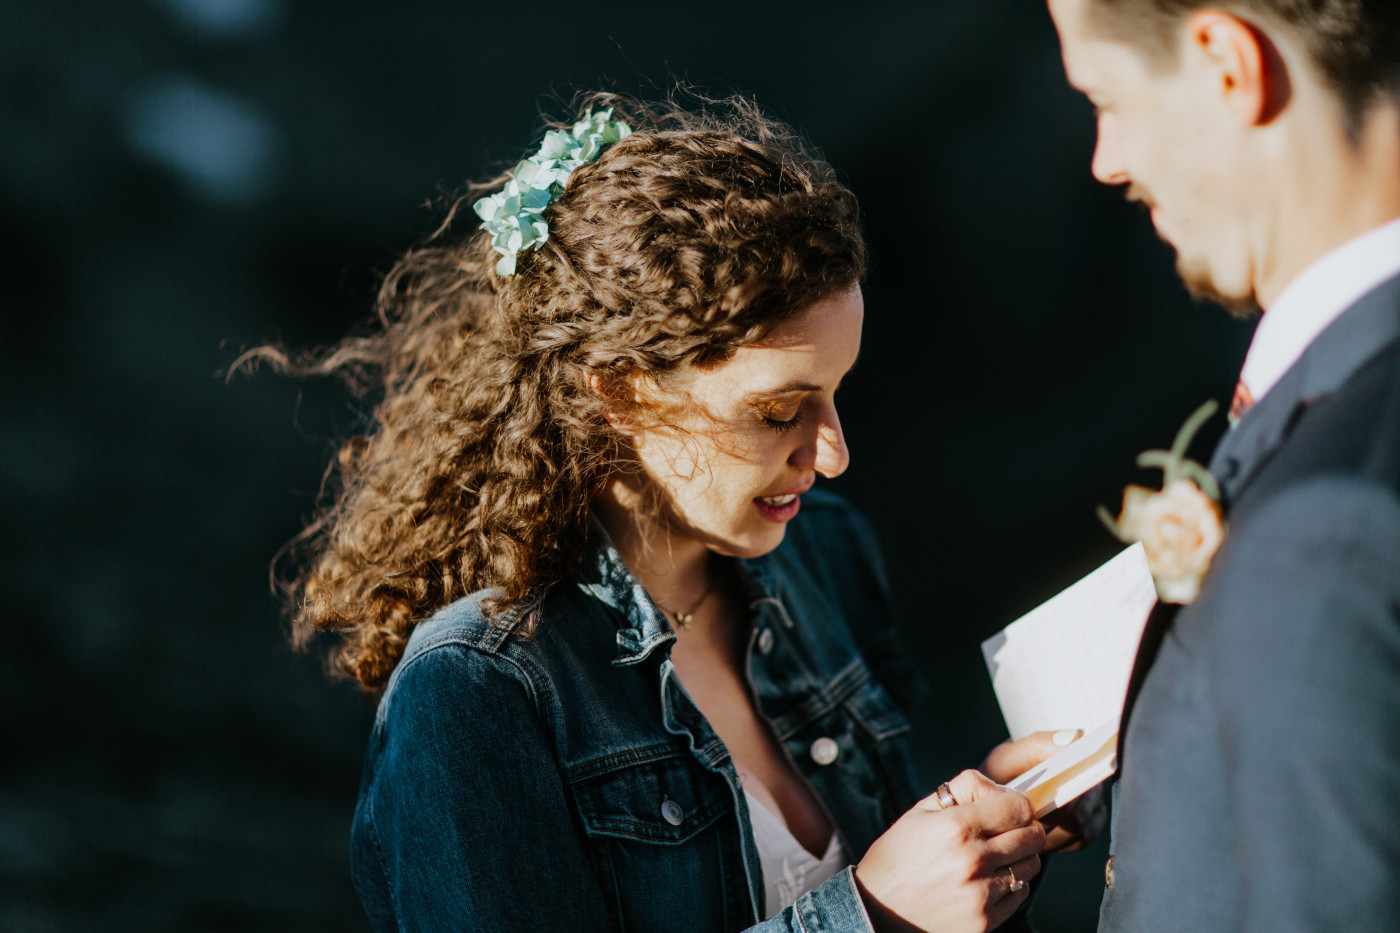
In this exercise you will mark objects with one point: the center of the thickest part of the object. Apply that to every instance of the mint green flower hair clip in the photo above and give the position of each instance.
(514, 216)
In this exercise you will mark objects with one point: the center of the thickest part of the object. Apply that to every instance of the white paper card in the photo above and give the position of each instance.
(1070, 772)
(1066, 663)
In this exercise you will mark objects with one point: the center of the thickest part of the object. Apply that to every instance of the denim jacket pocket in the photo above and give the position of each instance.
(880, 718)
(660, 801)
(655, 841)
(873, 709)
(856, 754)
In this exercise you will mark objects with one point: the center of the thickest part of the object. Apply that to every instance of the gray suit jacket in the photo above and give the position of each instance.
(1260, 779)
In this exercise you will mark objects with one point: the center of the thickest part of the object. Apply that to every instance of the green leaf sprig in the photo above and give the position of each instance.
(1174, 463)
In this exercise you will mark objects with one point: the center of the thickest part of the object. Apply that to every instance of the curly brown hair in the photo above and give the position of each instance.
(690, 238)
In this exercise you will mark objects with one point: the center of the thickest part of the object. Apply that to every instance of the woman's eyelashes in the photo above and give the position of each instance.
(782, 424)
(780, 419)
(784, 416)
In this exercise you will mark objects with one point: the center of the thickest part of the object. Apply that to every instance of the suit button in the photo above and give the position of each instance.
(825, 750)
(1108, 878)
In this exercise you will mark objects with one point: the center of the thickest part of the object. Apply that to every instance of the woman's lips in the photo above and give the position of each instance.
(782, 507)
(779, 513)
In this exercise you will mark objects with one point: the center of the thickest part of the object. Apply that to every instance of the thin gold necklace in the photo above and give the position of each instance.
(683, 619)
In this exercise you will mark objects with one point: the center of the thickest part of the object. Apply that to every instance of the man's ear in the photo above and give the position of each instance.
(1252, 74)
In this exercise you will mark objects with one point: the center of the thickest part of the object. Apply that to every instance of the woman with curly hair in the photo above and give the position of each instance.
(633, 672)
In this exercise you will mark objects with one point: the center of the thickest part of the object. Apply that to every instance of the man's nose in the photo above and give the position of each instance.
(1107, 163)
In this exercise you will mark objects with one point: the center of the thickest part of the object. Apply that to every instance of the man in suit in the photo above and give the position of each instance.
(1260, 760)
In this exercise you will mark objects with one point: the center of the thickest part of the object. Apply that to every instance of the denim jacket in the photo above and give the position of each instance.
(568, 782)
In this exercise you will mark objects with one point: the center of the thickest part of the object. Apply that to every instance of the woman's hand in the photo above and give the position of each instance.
(1010, 760)
(953, 869)
(1070, 827)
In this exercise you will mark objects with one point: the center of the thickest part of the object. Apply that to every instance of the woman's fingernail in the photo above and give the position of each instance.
(1065, 737)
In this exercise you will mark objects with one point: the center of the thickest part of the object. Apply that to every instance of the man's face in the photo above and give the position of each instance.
(1163, 135)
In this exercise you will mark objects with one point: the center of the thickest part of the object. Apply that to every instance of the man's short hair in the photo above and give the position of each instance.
(1355, 44)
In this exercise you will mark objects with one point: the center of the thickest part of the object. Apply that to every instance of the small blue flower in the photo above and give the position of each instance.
(514, 216)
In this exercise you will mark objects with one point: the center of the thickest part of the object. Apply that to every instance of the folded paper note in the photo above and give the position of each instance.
(1066, 664)
(1065, 775)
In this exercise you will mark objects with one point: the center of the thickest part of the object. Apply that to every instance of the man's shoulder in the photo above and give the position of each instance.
(1329, 516)
(1364, 409)
(1350, 433)
(1314, 566)
(1316, 529)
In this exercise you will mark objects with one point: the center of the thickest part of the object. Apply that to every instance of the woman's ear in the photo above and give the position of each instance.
(612, 391)
(630, 398)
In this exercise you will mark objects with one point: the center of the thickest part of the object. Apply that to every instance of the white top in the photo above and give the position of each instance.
(1315, 299)
(789, 871)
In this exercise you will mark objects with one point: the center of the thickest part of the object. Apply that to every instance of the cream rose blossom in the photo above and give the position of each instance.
(1180, 526)
(1180, 529)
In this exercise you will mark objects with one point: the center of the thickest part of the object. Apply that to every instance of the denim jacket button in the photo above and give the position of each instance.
(765, 641)
(672, 813)
(825, 750)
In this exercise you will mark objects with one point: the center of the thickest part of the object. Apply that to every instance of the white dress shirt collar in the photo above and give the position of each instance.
(1315, 299)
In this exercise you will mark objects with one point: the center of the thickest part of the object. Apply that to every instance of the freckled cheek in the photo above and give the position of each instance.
(747, 448)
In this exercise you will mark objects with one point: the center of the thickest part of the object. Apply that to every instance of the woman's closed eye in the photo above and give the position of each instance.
(780, 418)
(782, 424)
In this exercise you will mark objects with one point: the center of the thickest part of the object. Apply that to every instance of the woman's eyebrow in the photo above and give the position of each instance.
(785, 389)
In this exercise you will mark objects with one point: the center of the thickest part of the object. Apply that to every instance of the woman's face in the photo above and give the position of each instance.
(756, 431)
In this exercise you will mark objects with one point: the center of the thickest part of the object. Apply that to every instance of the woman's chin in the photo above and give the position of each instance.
(751, 545)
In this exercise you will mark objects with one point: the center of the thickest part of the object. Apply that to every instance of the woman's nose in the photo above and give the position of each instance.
(832, 454)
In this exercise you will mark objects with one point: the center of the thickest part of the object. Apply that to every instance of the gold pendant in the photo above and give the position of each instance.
(683, 619)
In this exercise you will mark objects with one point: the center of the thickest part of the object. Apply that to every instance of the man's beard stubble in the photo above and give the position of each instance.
(1201, 286)
(1195, 273)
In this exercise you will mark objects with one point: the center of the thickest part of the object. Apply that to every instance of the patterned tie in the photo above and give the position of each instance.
(1240, 403)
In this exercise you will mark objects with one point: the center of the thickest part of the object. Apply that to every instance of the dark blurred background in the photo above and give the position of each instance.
(181, 179)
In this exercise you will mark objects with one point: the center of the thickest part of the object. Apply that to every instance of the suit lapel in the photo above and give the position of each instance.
(1158, 622)
(1359, 333)
(1247, 446)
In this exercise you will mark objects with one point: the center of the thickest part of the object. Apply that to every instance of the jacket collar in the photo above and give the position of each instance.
(1338, 352)
(642, 626)
(1361, 332)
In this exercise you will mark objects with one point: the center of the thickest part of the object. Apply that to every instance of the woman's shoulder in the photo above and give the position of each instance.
(457, 644)
(463, 622)
(533, 644)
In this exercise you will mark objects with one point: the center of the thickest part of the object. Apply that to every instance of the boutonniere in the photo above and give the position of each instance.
(1180, 525)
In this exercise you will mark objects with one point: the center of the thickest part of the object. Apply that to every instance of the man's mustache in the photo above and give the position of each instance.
(1137, 194)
